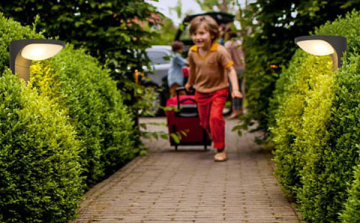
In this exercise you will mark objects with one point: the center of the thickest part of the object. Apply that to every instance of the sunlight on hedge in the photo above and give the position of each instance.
(315, 129)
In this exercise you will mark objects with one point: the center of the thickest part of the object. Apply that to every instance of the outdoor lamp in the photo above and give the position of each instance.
(324, 45)
(22, 52)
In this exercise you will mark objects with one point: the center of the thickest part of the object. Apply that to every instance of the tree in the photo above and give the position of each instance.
(166, 33)
(111, 30)
(211, 5)
(270, 46)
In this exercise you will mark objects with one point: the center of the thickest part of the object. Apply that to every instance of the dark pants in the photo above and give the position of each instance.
(237, 103)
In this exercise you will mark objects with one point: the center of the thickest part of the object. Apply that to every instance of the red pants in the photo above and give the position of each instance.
(210, 107)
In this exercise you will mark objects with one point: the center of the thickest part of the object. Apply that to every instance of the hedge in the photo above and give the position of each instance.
(40, 174)
(301, 81)
(77, 82)
(59, 134)
(316, 130)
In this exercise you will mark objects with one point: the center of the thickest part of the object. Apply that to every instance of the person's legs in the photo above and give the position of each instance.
(173, 90)
(210, 107)
(216, 119)
(204, 104)
(237, 103)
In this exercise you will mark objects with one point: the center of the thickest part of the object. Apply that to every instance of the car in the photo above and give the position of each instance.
(183, 35)
(156, 76)
(160, 57)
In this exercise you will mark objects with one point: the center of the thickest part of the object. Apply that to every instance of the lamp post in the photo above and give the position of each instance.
(324, 45)
(22, 52)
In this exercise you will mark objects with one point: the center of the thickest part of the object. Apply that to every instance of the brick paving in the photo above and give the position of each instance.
(188, 186)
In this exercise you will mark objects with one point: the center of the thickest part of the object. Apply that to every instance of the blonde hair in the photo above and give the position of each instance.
(209, 23)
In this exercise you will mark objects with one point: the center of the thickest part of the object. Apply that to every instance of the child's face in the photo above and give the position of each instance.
(202, 37)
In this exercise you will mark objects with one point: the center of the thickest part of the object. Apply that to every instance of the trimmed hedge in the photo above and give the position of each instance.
(351, 211)
(316, 130)
(95, 108)
(39, 157)
(301, 83)
(66, 127)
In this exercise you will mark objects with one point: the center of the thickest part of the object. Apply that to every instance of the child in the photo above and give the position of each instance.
(210, 68)
(175, 75)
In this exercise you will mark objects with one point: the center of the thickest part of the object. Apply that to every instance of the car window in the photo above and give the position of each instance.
(158, 57)
(185, 35)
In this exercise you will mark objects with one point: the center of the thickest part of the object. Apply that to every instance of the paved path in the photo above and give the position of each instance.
(188, 186)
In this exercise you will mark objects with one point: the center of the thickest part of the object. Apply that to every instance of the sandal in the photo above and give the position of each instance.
(220, 157)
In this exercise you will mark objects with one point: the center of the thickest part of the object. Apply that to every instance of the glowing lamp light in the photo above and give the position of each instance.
(22, 52)
(324, 45)
(316, 47)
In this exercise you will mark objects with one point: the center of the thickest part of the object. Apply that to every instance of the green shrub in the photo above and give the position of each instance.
(351, 211)
(316, 132)
(314, 136)
(103, 124)
(39, 157)
(327, 177)
(68, 123)
(300, 84)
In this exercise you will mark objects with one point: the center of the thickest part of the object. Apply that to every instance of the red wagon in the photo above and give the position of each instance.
(185, 118)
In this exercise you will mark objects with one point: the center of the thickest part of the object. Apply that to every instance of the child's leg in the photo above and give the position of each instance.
(217, 123)
(204, 104)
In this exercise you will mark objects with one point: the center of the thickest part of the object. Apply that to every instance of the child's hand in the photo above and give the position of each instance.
(188, 87)
(236, 94)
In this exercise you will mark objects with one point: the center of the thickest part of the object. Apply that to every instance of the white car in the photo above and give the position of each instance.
(160, 57)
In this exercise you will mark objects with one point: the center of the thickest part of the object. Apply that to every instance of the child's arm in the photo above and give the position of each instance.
(191, 78)
(234, 82)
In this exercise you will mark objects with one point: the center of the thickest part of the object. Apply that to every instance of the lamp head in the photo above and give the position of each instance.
(22, 52)
(324, 45)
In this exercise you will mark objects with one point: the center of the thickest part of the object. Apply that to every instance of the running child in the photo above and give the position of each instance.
(210, 71)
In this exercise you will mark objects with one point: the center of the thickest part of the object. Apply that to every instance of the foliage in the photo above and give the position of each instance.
(330, 170)
(39, 157)
(166, 33)
(67, 123)
(39, 154)
(306, 85)
(270, 44)
(108, 29)
(315, 129)
(103, 124)
(8, 33)
(351, 211)
(113, 31)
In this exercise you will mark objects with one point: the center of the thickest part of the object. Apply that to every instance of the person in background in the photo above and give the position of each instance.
(175, 74)
(210, 71)
(234, 47)
(222, 34)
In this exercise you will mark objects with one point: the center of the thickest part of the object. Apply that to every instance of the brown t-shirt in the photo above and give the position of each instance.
(208, 73)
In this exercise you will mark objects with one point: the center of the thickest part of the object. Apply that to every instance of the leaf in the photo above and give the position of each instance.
(175, 137)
